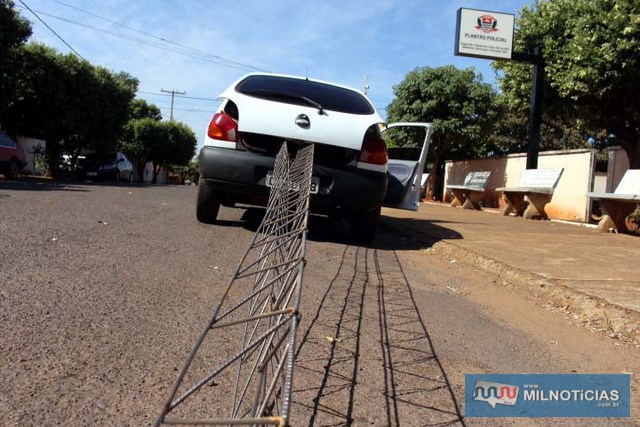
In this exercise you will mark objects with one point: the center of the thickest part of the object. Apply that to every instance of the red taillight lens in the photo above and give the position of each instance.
(374, 151)
(223, 127)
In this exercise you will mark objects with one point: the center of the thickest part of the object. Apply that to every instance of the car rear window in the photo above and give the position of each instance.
(301, 92)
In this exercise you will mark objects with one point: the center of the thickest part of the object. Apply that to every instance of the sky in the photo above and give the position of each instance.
(200, 47)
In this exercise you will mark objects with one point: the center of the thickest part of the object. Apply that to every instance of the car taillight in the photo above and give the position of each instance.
(223, 127)
(374, 155)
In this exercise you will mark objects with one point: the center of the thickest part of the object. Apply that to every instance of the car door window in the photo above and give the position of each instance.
(408, 147)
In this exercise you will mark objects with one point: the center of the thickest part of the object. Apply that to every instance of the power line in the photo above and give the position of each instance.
(141, 41)
(158, 37)
(51, 29)
(192, 110)
(181, 96)
(179, 48)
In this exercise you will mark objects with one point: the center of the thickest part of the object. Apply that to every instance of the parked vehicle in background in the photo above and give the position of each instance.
(12, 156)
(114, 166)
(261, 111)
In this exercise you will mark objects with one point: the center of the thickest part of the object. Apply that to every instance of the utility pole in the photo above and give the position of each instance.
(535, 113)
(173, 93)
(366, 84)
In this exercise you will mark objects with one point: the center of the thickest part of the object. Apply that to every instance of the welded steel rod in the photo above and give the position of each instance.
(260, 310)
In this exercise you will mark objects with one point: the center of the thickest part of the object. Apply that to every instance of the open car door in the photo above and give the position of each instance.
(405, 168)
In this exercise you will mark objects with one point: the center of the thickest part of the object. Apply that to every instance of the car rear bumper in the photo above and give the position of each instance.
(239, 177)
(97, 175)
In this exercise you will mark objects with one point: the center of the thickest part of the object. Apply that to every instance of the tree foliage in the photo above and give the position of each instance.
(189, 171)
(177, 149)
(14, 32)
(511, 131)
(457, 102)
(592, 68)
(163, 143)
(138, 139)
(141, 109)
(183, 143)
(72, 103)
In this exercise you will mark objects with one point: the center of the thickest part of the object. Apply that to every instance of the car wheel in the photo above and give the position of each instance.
(117, 176)
(208, 203)
(14, 169)
(363, 225)
(130, 177)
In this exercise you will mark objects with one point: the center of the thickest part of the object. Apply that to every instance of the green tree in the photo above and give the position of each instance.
(43, 96)
(14, 32)
(74, 104)
(136, 132)
(592, 68)
(107, 107)
(457, 102)
(139, 139)
(141, 109)
(163, 143)
(178, 149)
(511, 131)
(190, 171)
(183, 143)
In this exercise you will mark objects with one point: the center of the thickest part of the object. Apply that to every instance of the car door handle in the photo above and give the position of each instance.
(303, 121)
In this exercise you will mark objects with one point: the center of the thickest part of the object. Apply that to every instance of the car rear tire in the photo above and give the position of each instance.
(363, 225)
(14, 169)
(208, 203)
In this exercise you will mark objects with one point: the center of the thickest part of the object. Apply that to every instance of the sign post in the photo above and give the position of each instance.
(489, 35)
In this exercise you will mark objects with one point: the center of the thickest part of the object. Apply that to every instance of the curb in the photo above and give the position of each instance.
(592, 312)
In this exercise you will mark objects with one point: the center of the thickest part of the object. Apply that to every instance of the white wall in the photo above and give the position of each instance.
(148, 174)
(568, 202)
(31, 145)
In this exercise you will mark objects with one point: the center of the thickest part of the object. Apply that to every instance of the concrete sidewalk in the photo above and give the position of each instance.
(590, 273)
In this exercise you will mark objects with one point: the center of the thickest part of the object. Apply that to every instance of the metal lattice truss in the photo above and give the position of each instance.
(221, 384)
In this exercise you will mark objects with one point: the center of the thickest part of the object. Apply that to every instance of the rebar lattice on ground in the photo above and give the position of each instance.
(258, 309)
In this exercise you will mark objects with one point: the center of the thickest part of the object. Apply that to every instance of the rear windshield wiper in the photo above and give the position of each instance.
(275, 94)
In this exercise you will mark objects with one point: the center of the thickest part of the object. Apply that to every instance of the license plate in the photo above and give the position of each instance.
(315, 183)
(92, 173)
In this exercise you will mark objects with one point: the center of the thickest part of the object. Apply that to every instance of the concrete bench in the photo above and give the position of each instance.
(617, 206)
(471, 192)
(538, 186)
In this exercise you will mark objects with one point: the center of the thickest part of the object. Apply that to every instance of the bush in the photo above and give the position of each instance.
(187, 172)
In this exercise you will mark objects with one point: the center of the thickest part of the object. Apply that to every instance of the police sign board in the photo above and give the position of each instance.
(484, 34)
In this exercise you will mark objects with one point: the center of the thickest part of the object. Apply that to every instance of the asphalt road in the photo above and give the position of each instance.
(104, 289)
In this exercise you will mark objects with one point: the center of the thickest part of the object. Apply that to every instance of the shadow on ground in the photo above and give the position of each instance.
(41, 184)
(366, 356)
(394, 233)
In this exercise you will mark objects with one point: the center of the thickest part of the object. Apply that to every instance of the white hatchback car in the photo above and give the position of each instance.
(352, 175)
